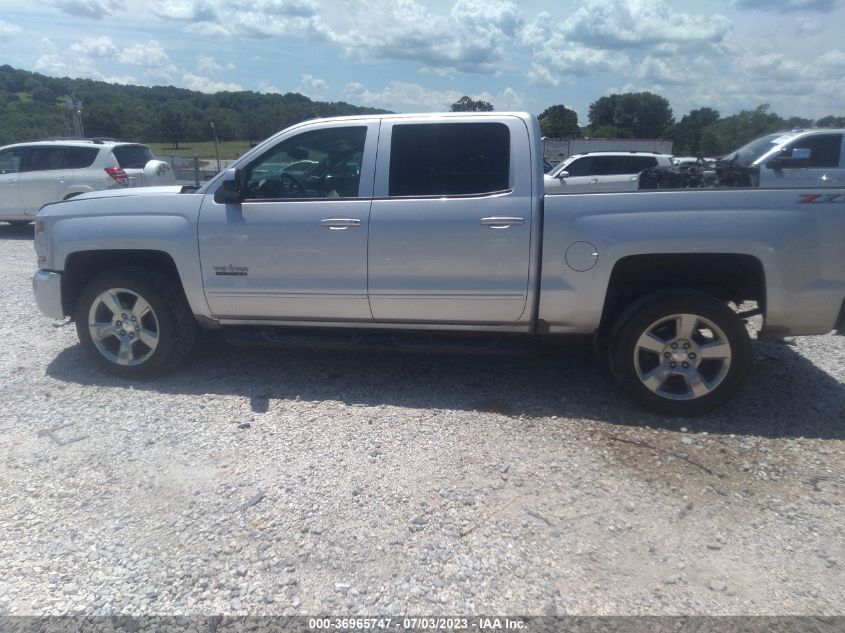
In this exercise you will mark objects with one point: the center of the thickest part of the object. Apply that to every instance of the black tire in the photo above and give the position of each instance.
(677, 375)
(169, 318)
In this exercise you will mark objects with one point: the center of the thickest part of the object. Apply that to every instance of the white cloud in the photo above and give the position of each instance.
(149, 55)
(787, 6)
(266, 88)
(311, 86)
(313, 82)
(665, 71)
(82, 58)
(7, 30)
(556, 58)
(51, 64)
(95, 9)
(410, 97)
(473, 37)
(187, 10)
(805, 26)
(209, 65)
(95, 47)
(205, 84)
(207, 29)
(612, 37)
(627, 24)
(258, 19)
(834, 62)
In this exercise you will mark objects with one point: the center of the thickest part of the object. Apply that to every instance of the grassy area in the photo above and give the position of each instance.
(205, 149)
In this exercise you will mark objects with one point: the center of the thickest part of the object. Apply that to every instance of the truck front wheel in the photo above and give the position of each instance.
(134, 323)
(682, 353)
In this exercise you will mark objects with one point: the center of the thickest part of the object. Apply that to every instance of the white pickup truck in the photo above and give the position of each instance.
(796, 158)
(435, 225)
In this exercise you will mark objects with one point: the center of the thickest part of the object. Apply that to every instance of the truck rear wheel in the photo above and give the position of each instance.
(682, 353)
(134, 323)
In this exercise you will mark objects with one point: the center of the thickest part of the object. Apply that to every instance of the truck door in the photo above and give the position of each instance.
(450, 227)
(46, 177)
(296, 247)
(11, 203)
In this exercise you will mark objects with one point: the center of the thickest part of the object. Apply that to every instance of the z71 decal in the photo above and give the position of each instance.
(820, 198)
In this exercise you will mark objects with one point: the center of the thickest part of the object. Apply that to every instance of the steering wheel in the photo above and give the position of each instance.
(295, 184)
(275, 188)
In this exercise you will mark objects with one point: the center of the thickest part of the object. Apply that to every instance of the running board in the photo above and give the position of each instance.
(423, 342)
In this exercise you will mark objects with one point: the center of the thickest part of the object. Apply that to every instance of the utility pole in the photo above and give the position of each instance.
(75, 107)
(216, 146)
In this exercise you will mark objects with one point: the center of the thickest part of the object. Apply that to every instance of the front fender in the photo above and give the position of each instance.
(165, 223)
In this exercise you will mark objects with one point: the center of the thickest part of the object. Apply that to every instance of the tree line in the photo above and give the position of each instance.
(34, 106)
(701, 132)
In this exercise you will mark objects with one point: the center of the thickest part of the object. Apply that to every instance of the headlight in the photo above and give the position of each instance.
(41, 242)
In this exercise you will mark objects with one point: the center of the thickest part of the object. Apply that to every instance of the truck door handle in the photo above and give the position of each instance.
(340, 224)
(501, 221)
(592, 181)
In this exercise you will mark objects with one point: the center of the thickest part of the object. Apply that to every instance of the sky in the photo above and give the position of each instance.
(414, 56)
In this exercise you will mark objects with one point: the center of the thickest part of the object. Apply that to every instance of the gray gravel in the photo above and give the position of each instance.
(269, 482)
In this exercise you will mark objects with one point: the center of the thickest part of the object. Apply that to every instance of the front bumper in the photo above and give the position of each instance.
(47, 288)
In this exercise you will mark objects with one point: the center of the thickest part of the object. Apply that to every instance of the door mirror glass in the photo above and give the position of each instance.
(229, 191)
(563, 174)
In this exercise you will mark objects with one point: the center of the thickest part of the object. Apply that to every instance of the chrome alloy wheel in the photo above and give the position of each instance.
(123, 326)
(682, 357)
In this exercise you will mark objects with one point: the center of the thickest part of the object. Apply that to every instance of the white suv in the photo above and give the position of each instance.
(33, 174)
(602, 171)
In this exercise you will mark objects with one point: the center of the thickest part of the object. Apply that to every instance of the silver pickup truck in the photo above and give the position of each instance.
(437, 225)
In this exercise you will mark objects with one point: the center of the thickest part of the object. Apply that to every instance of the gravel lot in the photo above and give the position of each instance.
(269, 482)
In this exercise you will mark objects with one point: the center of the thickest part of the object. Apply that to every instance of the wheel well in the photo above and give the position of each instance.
(83, 266)
(726, 276)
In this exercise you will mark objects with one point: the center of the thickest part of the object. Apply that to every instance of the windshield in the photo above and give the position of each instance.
(562, 166)
(747, 154)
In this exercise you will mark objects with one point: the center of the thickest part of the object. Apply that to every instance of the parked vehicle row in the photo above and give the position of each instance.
(34, 174)
(420, 227)
(602, 171)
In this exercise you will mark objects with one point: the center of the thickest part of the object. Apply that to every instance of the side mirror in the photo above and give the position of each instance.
(230, 190)
(563, 174)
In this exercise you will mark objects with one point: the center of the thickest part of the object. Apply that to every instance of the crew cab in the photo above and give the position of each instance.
(437, 225)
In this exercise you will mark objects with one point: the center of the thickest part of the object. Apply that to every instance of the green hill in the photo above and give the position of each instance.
(34, 106)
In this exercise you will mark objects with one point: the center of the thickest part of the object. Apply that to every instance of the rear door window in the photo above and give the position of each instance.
(80, 157)
(45, 159)
(132, 156)
(638, 163)
(449, 159)
(605, 166)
